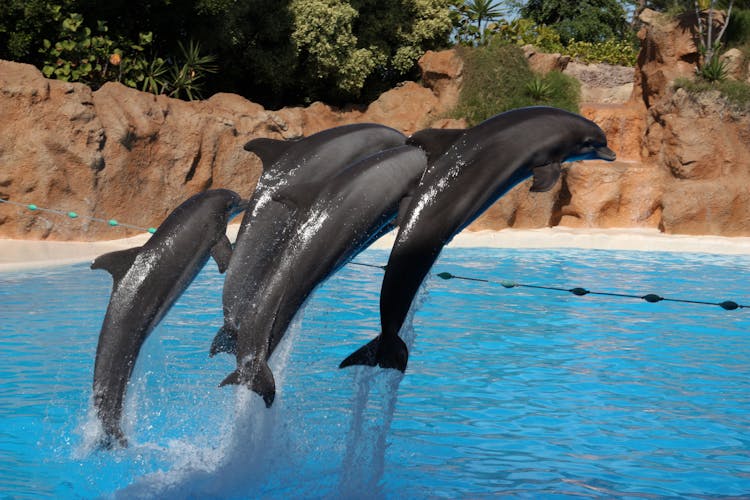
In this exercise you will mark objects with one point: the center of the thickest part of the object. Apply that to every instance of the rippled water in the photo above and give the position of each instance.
(518, 392)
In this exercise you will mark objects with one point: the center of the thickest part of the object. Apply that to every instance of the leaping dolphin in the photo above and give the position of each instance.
(337, 218)
(469, 170)
(267, 224)
(147, 281)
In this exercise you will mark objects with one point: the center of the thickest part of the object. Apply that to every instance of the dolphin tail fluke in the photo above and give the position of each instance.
(112, 438)
(365, 355)
(232, 379)
(224, 341)
(393, 353)
(262, 383)
(386, 352)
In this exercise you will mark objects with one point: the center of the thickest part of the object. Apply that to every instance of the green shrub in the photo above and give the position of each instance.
(498, 78)
(547, 39)
(619, 52)
(93, 57)
(736, 93)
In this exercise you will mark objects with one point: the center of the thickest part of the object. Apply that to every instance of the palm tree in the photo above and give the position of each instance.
(482, 10)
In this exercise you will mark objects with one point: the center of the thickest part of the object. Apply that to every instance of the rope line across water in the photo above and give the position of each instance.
(73, 215)
(728, 305)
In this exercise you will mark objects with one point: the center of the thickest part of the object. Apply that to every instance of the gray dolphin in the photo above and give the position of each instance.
(337, 219)
(267, 223)
(469, 170)
(147, 281)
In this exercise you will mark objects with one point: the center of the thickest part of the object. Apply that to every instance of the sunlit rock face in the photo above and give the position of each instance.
(682, 161)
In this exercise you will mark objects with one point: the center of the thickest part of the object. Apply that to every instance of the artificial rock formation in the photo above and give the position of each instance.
(118, 153)
(132, 156)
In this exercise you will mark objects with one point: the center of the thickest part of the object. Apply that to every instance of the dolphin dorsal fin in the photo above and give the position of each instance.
(116, 263)
(435, 141)
(268, 150)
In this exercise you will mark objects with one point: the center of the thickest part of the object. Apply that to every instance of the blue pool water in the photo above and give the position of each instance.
(520, 393)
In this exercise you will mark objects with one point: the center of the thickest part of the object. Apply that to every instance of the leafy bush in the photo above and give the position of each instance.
(79, 54)
(498, 78)
(273, 52)
(610, 51)
(526, 32)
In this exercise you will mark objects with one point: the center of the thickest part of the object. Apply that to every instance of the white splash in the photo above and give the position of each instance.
(254, 446)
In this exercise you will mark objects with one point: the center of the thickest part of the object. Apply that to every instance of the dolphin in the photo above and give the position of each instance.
(468, 171)
(268, 223)
(147, 281)
(337, 219)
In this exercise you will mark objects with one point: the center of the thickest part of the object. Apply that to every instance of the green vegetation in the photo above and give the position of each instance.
(584, 20)
(498, 78)
(737, 94)
(524, 31)
(289, 52)
(277, 52)
(738, 31)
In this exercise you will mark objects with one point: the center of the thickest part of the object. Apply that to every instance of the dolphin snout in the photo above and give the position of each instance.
(604, 153)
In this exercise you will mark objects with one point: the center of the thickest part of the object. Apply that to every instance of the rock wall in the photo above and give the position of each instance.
(132, 156)
(683, 162)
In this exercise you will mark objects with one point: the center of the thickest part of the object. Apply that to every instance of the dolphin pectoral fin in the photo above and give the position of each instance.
(116, 263)
(545, 177)
(365, 355)
(224, 341)
(222, 252)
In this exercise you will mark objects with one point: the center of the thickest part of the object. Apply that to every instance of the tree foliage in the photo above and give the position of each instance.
(277, 52)
(584, 20)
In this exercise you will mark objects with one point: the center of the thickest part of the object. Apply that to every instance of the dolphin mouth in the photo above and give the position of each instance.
(604, 153)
